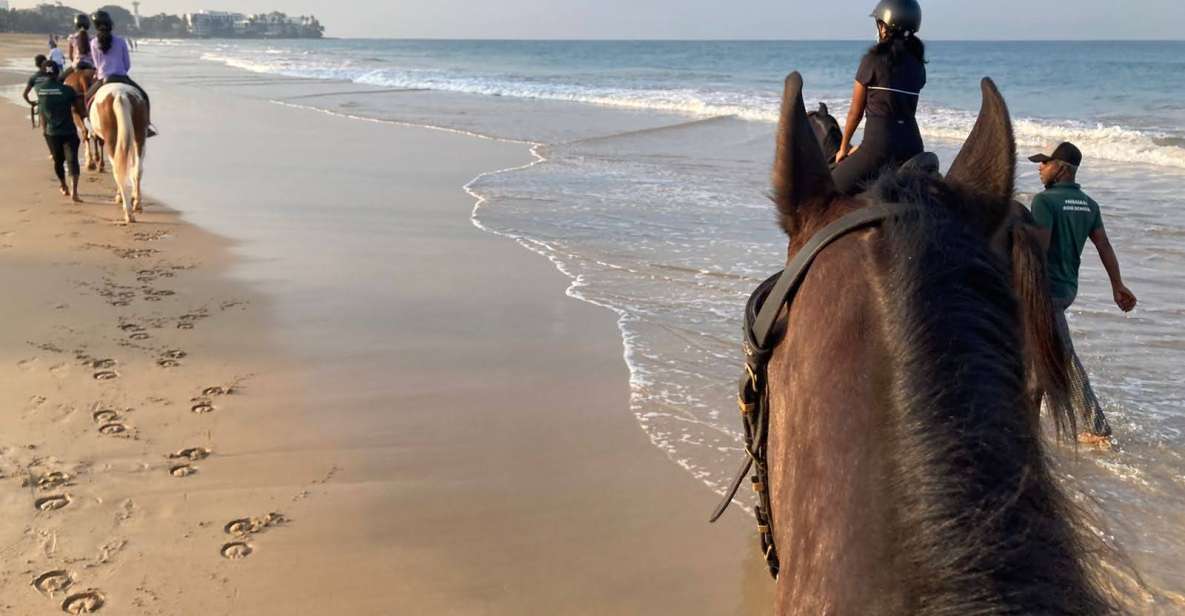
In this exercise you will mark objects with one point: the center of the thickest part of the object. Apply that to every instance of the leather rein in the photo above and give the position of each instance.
(761, 317)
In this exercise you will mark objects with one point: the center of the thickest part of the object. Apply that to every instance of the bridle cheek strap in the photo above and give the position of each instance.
(762, 311)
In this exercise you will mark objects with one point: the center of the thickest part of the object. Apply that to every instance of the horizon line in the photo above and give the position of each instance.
(749, 40)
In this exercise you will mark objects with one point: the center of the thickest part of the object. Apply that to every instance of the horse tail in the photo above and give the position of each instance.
(124, 155)
(1046, 356)
(124, 137)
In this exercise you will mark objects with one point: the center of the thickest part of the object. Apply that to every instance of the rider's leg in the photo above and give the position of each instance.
(147, 104)
(91, 91)
(857, 169)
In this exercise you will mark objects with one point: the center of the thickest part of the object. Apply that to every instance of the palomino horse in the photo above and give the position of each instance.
(80, 81)
(120, 118)
(907, 471)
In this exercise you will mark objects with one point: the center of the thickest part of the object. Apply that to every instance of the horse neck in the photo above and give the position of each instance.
(907, 475)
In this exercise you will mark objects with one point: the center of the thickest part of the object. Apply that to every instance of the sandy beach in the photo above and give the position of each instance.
(180, 441)
(452, 326)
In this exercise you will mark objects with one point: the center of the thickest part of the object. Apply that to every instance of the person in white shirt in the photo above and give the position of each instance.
(56, 54)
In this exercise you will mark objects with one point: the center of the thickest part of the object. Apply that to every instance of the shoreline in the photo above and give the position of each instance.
(458, 440)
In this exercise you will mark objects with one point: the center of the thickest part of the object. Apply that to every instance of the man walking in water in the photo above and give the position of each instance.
(1067, 217)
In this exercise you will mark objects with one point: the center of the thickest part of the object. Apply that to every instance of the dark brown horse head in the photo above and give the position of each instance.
(907, 470)
(980, 184)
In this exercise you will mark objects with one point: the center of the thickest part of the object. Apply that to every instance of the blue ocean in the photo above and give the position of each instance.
(648, 190)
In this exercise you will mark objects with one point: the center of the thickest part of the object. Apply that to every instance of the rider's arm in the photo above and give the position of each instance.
(855, 115)
(1124, 298)
(127, 57)
(25, 94)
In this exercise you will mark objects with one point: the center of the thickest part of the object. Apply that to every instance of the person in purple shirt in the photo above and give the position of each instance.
(79, 43)
(112, 61)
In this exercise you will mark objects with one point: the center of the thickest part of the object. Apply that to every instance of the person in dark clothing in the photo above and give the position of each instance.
(57, 102)
(888, 84)
(35, 79)
(1067, 217)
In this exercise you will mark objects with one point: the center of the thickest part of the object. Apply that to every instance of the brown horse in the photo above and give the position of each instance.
(906, 463)
(119, 115)
(80, 81)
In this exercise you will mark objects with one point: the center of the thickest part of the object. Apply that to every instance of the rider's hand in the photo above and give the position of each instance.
(1124, 298)
(841, 154)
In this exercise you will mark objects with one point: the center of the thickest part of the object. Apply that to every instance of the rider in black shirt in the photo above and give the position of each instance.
(888, 83)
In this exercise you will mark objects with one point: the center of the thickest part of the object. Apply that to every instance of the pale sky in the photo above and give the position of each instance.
(715, 19)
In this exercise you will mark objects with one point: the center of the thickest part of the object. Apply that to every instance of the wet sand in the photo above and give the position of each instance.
(436, 429)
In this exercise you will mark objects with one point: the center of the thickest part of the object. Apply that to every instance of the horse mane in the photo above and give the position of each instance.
(981, 525)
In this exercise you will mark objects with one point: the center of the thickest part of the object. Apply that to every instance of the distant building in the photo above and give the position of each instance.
(3, 5)
(212, 23)
(220, 24)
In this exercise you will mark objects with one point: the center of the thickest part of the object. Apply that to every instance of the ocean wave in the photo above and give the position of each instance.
(1114, 143)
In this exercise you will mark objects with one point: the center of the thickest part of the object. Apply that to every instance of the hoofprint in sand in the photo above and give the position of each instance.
(127, 364)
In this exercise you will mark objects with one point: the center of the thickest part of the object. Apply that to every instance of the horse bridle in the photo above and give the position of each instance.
(761, 316)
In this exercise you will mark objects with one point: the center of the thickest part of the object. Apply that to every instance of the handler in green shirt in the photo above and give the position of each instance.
(1068, 217)
(56, 102)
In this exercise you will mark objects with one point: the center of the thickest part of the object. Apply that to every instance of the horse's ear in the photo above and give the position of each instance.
(986, 165)
(801, 179)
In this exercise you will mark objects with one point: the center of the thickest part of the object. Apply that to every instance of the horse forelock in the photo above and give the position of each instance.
(980, 524)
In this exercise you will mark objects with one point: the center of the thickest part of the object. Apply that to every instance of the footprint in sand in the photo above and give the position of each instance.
(185, 325)
(183, 470)
(106, 375)
(193, 454)
(53, 582)
(104, 416)
(113, 429)
(201, 408)
(53, 480)
(175, 354)
(243, 527)
(102, 364)
(131, 327)
(217, 390)
(168, 363)
(52, 503)
(87, 602)
(236, 550)
(139, 336)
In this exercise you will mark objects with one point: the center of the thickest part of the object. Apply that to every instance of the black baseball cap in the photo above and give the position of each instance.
(1065, 152)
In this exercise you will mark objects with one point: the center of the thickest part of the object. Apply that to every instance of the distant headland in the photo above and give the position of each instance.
(57, 19)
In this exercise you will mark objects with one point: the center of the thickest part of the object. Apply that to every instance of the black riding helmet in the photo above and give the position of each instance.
(82, 22)
(102, 19)
(899, 15)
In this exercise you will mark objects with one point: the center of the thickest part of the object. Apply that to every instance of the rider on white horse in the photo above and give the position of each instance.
(112, 61)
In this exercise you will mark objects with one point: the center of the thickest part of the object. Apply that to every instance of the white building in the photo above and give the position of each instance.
(212, 23)
(3, 5)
